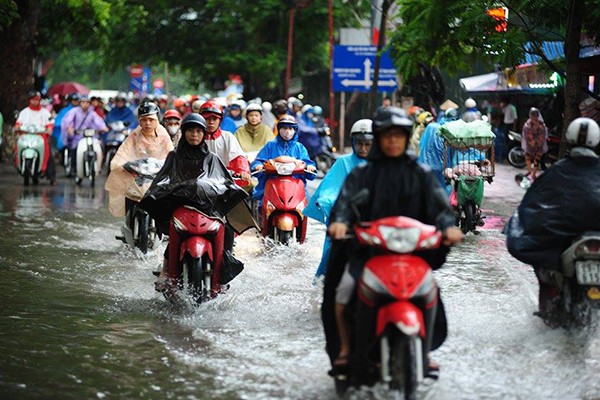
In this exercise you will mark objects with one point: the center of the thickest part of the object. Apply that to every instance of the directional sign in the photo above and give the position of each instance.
(353, 69)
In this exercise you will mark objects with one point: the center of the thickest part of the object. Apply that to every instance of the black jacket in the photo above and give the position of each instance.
(560, 205)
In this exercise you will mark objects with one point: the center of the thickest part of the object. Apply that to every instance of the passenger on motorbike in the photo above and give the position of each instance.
(254, 134)
(76, 120)
(398, 186)
(148, 140)
(560, 205)
(285, 144)
(73, 101)
(120, 112)
(192, 175)
(172, 122)
(321, 202)
(35, 114)
(223, 143)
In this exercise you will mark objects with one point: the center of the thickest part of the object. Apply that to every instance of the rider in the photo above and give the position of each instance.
(73, 101)
(35, 114)
(148, 140)
(561, 204)
(192, 175)
(120, 112)
(223, 143)
(172, 122)
(397, 186)
(234, 119)
(321, 202)
(285, 144)
(254, 134)
(76, 120)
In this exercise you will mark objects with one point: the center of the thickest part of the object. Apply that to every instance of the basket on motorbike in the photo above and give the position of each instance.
(468, 149)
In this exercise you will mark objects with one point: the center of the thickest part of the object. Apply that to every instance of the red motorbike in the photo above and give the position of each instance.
(284, 200)
(196, 254)
(402, 289)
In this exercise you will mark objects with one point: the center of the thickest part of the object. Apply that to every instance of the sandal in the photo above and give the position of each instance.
(162, 284)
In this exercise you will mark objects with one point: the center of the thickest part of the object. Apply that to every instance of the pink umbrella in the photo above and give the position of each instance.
(64, 88)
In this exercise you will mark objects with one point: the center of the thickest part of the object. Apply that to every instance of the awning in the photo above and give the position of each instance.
(552, 50)
(480, 83)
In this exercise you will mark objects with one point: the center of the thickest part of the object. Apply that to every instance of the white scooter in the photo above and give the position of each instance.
(88, 157)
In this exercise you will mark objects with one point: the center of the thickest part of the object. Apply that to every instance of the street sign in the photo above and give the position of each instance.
(353, 69)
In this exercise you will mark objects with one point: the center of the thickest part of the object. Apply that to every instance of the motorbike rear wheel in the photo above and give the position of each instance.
(468, 222)
(403, 365)
(516, 157)
(92, 170)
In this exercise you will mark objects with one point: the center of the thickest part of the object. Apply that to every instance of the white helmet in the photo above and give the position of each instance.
(470, 103)
(362, 126)
(583, 132)
(267, 106)
(254, 107)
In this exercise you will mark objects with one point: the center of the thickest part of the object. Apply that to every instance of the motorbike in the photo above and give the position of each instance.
(516, 154)
(88, 156)
(30, 152)
(402, 289)
(551, 156)
(284, 199)
(140, 230)
(197, 256)
(578, 282)
(114, 138)
(320, 148)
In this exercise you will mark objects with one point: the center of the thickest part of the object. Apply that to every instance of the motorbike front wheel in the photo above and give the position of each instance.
(109, 156)
(283, 237)
(403, 365)
(27, 171)
(195, 279)
(516, 157)
(142, 222)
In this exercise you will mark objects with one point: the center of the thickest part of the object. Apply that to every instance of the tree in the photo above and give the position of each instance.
(453, 34)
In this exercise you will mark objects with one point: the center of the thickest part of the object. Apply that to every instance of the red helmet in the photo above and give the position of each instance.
(172, 114)
(211, 107)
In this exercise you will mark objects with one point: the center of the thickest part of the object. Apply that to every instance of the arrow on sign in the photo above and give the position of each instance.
(366, 82)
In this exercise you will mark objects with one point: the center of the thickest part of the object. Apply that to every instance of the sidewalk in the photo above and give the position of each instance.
(503, 195)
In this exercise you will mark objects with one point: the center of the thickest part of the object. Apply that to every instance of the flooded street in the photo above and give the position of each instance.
(80, 318)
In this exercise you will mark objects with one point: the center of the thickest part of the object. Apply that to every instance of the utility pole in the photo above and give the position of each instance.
(385, 6)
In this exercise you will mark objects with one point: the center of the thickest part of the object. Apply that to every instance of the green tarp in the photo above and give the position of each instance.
(463, 134)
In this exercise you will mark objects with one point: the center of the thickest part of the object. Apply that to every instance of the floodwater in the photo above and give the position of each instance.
(79, 317)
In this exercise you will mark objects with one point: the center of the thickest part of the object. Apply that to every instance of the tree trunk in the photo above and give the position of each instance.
(573, 81)
(17, 53)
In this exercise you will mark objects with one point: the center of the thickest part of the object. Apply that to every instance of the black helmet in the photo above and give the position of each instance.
(147, 108)
(193, 119)
(73, 97)
(391, 116)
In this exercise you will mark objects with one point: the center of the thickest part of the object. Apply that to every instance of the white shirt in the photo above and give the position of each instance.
(510, 113)
(40, 117)
(226, 147)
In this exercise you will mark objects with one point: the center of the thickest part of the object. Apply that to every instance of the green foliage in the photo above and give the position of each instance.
(8, 12)
(453, 34)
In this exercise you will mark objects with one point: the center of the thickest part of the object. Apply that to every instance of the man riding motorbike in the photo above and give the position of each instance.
(254, 134)
(120, 112)
(223, 143)
(321, 202)
(397, 186)
(561, 204)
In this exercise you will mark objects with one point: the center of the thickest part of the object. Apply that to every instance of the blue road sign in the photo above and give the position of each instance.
(353, 69)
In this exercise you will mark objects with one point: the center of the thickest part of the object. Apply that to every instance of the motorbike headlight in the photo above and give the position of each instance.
(400, 240)
(285, 168)
(179, 226)
(270, 208)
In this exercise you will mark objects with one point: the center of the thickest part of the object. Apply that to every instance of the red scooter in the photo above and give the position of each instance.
(284, 200)
(195, 254)
(402, 289)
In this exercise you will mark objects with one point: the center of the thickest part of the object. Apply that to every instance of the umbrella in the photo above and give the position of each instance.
(64, 88)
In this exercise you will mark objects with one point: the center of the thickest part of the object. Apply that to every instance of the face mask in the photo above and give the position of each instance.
(173, 130)
(287, 134)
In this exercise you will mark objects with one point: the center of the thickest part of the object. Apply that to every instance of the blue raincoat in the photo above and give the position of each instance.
(322, 201)
(122, 114)
(56, 132)
(279, 147)
(431, 153)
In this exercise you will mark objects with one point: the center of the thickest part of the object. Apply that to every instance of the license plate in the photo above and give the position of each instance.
(588, 272)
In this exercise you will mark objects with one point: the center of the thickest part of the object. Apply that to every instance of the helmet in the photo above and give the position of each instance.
(362, 129)
(121, 96)
(196, 105)
(211, 107)
(317, 110)
(583, 132)
(193, 119)
(267, 106)
(470, 103)
(172, 114)
(73, 97)
(424, 118)
(178, 103)
(287, 120)
(34, 93)
(391, 116)
(451, 114)
(306, 108)
(147, 108)
(280, 107)
(84, 97)
(254, 107)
